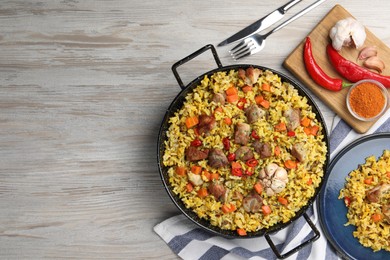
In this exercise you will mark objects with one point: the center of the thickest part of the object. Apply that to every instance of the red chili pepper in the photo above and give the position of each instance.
(352, 71)
(317, 74)
(226, 143)
(241, 103)
(255, 135)
(231, 157)
(196, 143)
(252, 162)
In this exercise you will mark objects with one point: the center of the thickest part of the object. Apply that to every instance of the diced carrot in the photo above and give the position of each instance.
(236, 165)
(283, 201)
(265, 103)
(376, 217)
(214, 176)
(232, 98)
(241, 232)
(314, 129)
(247, 88)
(218, 109)
(192, 121)
(207, 175)
(228, 120)
(266, 209)
(189, 187)
(202, 192)
(305, 121)
(277, 151)
(368, 180)
(388, 174)
(258, 187)
(228, 208)
(290, 164)
(266, 87)
(310, 181)
(231, 91)
(181, 170)
(259, 99)
(280, 127)
(311, 130)
(196, 169)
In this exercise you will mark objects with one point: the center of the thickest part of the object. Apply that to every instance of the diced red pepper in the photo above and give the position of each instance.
(252, 162)
(196, 143)
(291, 133)
(231, 157)
(226, 143)
(255, 135)
(347, 201)
(241, 103)
(237, 172)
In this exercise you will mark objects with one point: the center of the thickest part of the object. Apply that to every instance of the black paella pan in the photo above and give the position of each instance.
(177, 104)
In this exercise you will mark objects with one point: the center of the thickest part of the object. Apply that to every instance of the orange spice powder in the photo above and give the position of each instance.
(367, 100)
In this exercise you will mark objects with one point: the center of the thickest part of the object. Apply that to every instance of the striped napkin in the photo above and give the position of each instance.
(189, 241)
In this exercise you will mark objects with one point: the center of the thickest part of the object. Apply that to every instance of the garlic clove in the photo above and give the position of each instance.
(367, 52)
(374, 63)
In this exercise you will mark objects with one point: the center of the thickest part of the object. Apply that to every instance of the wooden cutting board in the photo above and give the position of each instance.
(319, 39)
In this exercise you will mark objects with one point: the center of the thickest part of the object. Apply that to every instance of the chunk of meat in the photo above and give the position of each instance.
(252, 202)
(242, 133)
(219, 98)
(241, 74)
(217, 190)
(253, 74)
(264, 149)
(293, 116)
(195, 154)
(217, 158)
(244, 153)
(206, 123)
(298, 151)
(386, 212)
(253, 113)
(376, 193)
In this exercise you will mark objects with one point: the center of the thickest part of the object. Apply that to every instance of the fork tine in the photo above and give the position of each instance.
(241, 55)
(244, 51)
(238, 46)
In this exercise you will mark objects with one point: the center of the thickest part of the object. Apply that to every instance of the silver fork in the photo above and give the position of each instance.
(255, 43)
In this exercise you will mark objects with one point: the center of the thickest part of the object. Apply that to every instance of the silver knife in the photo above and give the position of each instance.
(261, 24)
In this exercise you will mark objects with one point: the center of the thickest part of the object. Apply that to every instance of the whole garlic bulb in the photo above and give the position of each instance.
(347, 32)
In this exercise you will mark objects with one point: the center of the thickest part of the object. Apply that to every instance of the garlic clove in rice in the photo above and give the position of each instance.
(347, 32)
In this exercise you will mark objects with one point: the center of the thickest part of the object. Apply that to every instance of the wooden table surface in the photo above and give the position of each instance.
(84, 88)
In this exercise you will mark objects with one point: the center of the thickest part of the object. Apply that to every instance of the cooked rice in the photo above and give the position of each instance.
(375, 235)
(302, 181)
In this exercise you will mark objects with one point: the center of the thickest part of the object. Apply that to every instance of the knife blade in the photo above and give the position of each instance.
(260, 24)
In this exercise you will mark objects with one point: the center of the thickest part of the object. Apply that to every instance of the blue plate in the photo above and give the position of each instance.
(333, 210)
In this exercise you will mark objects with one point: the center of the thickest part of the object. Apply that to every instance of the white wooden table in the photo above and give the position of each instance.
(83, 89)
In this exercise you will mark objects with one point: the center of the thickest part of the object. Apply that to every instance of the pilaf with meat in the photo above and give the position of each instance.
(245, 151)
(367, 195)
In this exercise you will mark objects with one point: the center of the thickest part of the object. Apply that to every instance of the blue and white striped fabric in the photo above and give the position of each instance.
(189, 241)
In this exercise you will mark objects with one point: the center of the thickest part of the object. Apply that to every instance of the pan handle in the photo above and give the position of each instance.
(192, 56)
(299, 247)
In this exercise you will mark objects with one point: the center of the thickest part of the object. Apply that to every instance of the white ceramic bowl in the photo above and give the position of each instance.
(383, 91)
